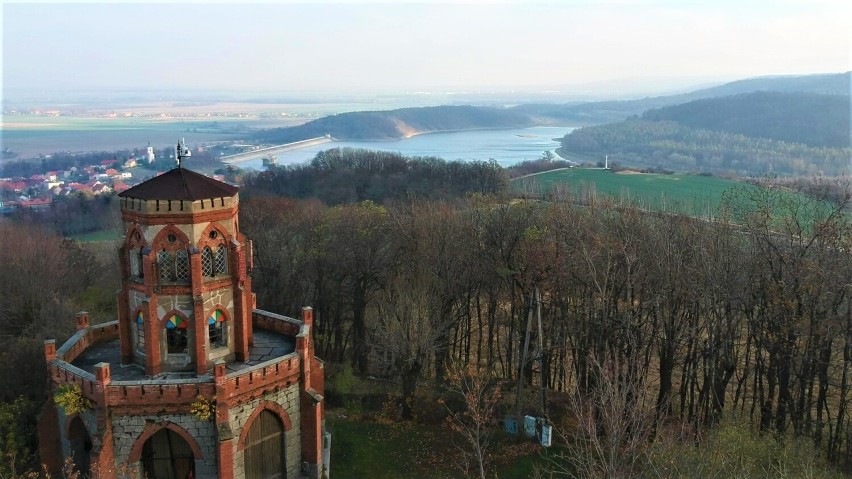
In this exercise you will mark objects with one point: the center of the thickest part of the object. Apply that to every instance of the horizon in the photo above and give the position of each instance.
(626, 48)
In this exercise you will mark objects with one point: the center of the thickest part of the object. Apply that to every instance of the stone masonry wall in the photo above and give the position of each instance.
(127, 429)
(287, 398)
(89, 421)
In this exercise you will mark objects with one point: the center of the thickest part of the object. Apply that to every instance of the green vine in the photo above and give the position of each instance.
(70, 398)
(203, 408)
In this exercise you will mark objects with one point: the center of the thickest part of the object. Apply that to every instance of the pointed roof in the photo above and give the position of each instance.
(180, 184)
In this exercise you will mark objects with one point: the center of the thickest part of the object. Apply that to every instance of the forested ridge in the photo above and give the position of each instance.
(669, 145)
(752, 134)
(400, 123)
(349, 175)
(810, 119)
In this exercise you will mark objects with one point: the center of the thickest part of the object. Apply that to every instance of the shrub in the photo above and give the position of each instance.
(70, 398)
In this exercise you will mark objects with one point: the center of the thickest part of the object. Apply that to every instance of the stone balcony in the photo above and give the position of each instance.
(91, 358)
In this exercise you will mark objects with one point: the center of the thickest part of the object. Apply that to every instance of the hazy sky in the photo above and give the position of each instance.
(409, 47)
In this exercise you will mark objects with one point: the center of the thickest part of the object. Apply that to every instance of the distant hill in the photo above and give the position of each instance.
(750, 134)
(401, 123)
(812, 119)
(609, 111)
(824, 84)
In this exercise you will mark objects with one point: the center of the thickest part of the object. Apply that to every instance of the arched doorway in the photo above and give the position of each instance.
(81, 447)
(166, 455)
(264, 448)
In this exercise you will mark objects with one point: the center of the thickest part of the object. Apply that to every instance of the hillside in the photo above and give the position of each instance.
(669, 145)
(401, 123)
(750, 134)
(405, 122)
(812, 119)
(610, 111)
(823, 84)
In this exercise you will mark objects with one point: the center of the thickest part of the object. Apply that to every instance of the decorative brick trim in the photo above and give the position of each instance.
(270, 406)
(204, 239)
(130, 242)
(160, 241)
(191, 218)
(136, 451)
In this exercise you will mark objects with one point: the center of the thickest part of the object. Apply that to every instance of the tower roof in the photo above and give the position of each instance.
(180, 184)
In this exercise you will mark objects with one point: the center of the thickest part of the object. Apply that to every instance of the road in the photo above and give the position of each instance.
(274, 150)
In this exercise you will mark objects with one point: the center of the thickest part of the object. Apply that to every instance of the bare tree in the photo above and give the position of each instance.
(407, 332)
(610, 429)
(480, 395)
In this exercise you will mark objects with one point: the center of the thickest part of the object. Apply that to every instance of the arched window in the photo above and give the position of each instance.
(140, 331)
(166, 455)
(264, 451)
(181, 265)
(221, 260)
(176, 335)
(81, 446)
(216, 330)
(206, 262)
(164, 261)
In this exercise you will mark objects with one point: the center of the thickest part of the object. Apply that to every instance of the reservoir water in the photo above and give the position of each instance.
(507, 147)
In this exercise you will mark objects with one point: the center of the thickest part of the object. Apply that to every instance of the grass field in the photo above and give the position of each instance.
(395, 450)
(690, 194)
(98, 236)
(33, 135)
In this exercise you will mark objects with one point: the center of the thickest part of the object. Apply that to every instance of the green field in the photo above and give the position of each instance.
(690, 194)
(399, 450)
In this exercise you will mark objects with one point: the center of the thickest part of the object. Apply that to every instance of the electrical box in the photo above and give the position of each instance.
(546, 433)
(510, 423)
(529, 426)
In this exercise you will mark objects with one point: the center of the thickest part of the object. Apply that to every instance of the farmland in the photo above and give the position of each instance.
(690, 194)
(33, 135)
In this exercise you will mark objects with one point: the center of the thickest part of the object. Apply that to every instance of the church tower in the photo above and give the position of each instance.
(191, 380)
(149, 152)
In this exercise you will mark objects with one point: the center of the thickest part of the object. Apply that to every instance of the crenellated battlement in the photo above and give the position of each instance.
(166, 392)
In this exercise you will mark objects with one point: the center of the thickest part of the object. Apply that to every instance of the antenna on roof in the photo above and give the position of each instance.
(182, 152)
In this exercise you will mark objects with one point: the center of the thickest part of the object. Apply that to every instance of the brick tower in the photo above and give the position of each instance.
(188, 339)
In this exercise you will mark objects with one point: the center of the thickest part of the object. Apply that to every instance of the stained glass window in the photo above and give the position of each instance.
(207, 262)
(176, 322)
(176, 336)
(216, 329)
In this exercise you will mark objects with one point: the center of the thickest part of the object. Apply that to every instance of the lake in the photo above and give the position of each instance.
(507, 147)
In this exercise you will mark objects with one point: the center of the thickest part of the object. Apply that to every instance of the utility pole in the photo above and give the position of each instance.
(535, 303)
